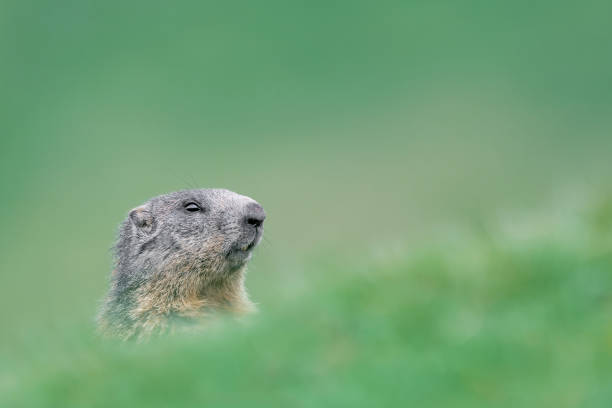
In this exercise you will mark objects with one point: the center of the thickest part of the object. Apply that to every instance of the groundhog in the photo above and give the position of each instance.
(180, 257)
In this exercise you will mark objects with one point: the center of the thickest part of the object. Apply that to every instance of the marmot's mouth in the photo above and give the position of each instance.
(250, 246)
(244, 248)
(241, 251)
(239, 255)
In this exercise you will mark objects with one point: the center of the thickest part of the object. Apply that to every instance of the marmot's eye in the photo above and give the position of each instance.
(192, 207)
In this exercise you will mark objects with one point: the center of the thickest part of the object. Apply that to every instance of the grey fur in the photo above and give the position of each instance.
(173, 263)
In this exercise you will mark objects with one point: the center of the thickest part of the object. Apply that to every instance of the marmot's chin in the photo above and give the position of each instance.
(241, 253)
(237, 258)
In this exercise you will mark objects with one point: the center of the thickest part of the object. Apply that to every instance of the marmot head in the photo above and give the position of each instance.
(181, 254)
(215, 229)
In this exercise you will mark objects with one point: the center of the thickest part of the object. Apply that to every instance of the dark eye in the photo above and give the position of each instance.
(192, 207)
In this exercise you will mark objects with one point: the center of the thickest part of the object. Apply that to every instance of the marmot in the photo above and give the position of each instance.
(179, 257)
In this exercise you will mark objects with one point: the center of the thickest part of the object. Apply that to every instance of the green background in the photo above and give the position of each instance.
(437, 179)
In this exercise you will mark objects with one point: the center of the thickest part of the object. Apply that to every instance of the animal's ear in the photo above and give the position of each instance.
(142, 219)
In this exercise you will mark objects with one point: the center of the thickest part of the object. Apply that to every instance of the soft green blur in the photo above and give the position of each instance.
(437, 178)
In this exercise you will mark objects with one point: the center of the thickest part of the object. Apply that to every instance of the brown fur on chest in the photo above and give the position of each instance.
(186, 296)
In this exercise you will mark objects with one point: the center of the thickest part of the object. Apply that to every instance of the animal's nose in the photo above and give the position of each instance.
(255, 215)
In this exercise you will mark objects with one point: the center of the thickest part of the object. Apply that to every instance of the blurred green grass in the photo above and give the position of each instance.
(506, 323)
(436, 177)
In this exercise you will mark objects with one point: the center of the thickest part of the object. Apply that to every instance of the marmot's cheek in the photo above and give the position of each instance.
(213, 247)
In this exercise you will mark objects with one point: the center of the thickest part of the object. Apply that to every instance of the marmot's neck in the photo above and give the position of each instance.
(188, 293)
(177, 293)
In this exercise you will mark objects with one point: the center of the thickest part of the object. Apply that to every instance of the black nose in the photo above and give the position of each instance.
(255, 215)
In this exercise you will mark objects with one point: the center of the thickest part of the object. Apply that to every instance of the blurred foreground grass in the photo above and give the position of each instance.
(484, 320)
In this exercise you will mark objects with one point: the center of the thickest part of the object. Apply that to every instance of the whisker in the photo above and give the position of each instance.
(266, 240)
(194, 182)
